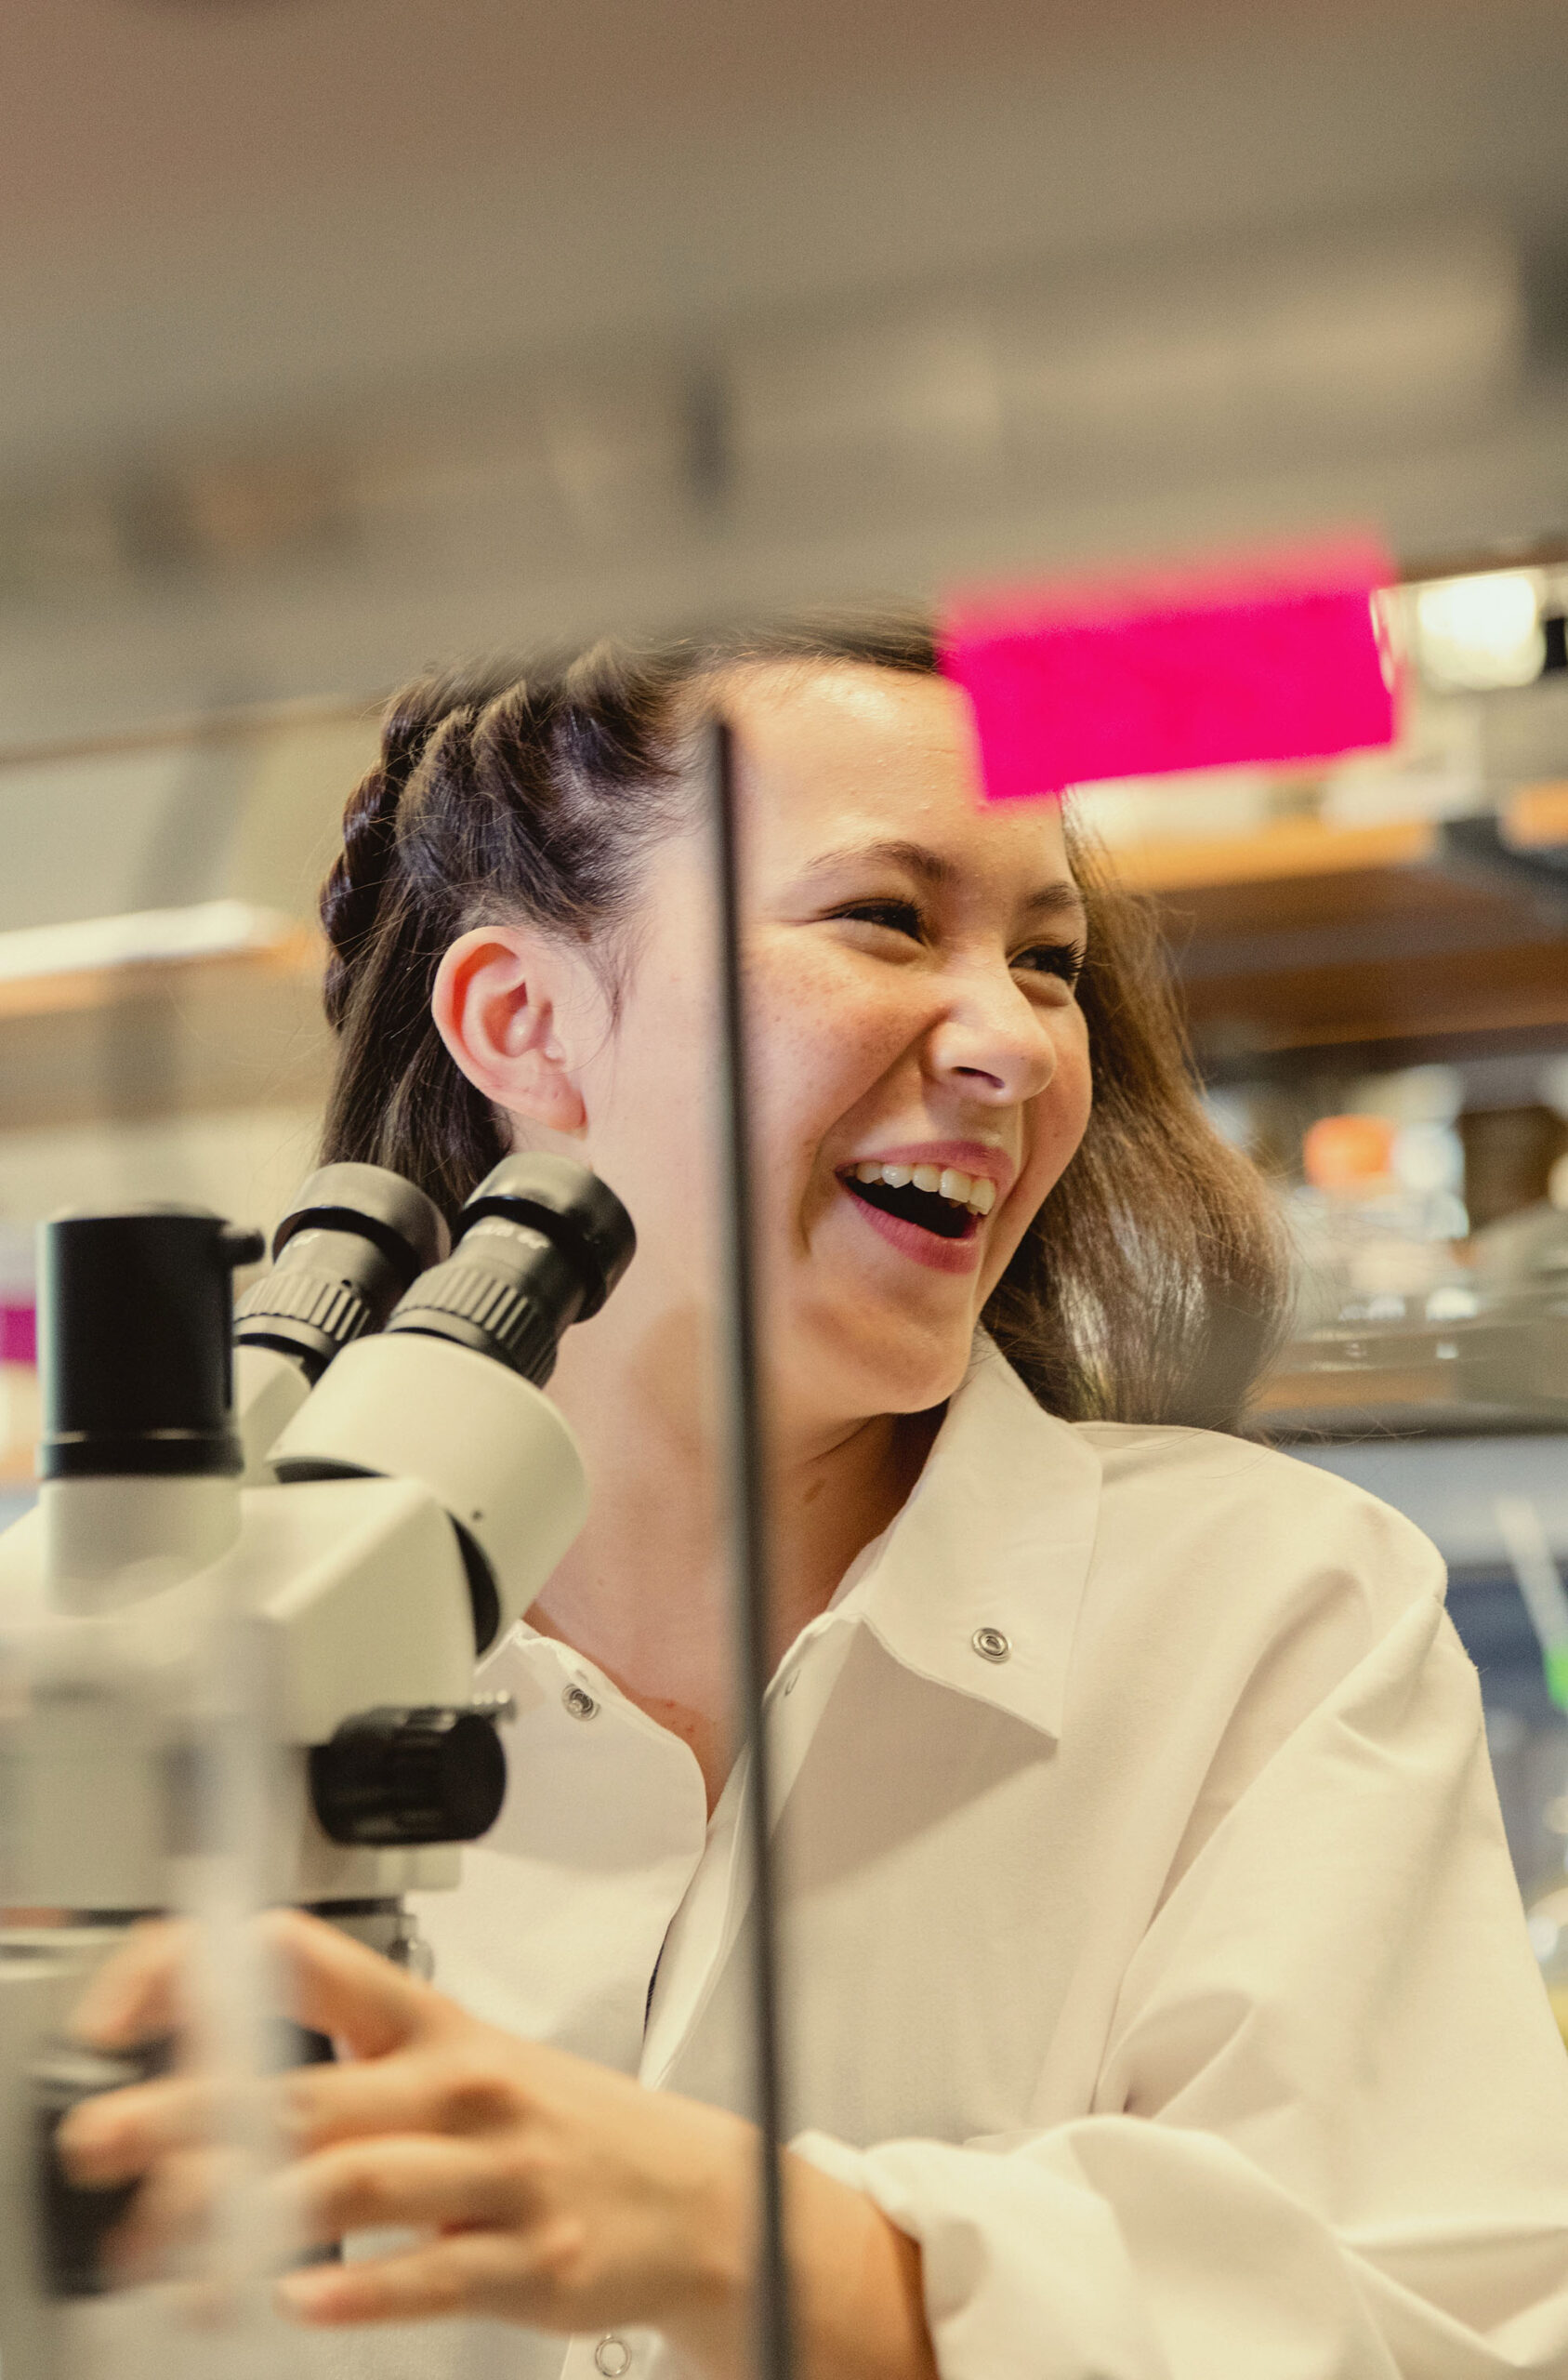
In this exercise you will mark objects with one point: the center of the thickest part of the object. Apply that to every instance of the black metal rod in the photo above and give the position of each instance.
(747, 1487)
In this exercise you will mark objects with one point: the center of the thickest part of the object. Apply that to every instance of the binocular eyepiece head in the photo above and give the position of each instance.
(539, 1246)
(137, 1325)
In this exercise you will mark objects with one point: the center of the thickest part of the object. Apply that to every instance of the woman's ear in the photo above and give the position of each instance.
(503, 996)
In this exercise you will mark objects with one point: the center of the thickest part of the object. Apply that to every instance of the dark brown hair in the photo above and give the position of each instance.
(1149, 1288)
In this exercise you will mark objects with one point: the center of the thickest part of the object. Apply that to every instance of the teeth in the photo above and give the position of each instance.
(945, 1181)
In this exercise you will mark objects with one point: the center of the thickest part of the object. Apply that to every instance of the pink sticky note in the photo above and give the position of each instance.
(1276, 658)
(18, 1335)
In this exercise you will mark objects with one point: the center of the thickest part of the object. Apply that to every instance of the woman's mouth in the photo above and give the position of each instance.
(932, 1213)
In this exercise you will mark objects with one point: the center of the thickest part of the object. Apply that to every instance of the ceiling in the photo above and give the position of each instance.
(333, 333)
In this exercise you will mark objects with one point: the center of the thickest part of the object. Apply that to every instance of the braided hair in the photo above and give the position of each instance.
(1152, 1285)
(495, 795)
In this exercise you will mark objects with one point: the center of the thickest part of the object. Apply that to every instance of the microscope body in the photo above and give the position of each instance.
(266, 1659)
(347, 1591)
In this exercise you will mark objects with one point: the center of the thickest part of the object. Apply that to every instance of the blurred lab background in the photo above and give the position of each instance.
(337, 337)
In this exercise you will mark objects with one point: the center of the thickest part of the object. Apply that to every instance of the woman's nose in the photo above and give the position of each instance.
(993, 1040)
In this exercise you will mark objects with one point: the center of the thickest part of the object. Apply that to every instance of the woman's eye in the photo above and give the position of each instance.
(898, 917)
(1065, 960)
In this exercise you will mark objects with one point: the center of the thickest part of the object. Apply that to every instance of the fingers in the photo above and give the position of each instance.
(142, 1989)
(391, 2183)
(117, 2136)
(172, 2213)
(120, 2134)
(400, 2183)
(318, 2105)
(475, 2272)
(336, 1986)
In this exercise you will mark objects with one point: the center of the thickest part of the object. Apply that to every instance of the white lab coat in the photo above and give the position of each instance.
(1152, 1951)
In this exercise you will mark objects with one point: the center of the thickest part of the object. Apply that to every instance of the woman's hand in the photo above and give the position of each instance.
(546, 2189)
(550, 2191)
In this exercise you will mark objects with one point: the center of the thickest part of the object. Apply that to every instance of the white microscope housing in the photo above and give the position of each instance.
(304, 1542)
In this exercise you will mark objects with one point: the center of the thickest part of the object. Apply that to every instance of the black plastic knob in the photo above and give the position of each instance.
(391, 1777)
(74, 2221)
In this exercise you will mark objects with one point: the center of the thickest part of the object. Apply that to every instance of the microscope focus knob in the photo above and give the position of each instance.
(392, 1777)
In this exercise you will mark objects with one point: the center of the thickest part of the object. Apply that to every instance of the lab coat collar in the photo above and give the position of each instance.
(995, 1536)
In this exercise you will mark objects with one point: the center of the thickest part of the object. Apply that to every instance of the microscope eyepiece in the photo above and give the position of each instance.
(355, 1238)
(566, 1200)
(540, 1245)
(134, 1343)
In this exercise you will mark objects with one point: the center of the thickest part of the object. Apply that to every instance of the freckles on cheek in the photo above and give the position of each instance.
(1063, 1130)
(1060, 1121)
(799, 1042)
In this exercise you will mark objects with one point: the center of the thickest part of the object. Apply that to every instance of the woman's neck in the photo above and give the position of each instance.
(646, 1591)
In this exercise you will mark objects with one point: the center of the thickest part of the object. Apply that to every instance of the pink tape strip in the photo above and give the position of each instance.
(1277, 659)
(18, 1335)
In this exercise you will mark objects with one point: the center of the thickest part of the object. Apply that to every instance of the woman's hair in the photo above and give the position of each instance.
(1152, 1285)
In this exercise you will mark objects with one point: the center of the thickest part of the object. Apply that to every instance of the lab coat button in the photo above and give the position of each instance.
(580, 1704)
(612, 2357)
(991, 1644)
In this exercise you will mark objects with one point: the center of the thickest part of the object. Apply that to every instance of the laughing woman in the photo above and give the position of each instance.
(1157, 2001)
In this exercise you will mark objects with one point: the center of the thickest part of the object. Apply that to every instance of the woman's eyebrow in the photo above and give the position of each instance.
(931, 868)
(1056, 900)
(928, 865)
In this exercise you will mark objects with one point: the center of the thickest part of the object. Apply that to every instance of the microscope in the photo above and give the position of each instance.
(238, 1632)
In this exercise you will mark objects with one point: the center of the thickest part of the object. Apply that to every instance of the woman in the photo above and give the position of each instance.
(1157, 2000)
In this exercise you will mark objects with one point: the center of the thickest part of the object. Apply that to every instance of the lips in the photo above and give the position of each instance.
(940, 1255)
(930, 1200)
(891, 1193)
